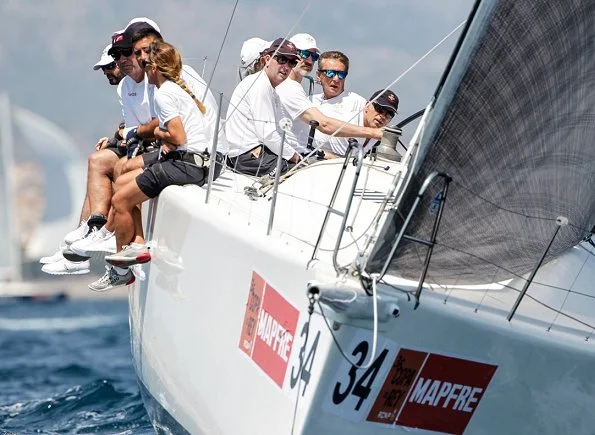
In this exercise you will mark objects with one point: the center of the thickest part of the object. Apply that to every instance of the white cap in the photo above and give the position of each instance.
(304, 41)
(149, 21)
(251, 50)
(105, 59)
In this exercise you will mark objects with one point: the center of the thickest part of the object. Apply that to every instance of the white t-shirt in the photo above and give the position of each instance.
(136, 100)
(294, 102)
(343, 107)
(197, 85)
(172, 101)
(252, 118)
(338, 145)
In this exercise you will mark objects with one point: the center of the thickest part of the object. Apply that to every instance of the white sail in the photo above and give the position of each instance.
(10, 258)
(56, 152)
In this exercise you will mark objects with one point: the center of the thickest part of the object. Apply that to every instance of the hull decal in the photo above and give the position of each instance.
(268, 330)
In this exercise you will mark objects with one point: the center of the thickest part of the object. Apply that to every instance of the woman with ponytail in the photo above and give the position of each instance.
(183, 134)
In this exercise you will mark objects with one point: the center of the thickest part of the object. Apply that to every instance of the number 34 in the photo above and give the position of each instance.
(359, 387)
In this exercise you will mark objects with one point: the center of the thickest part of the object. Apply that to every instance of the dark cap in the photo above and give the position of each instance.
(387, 99)
(282, 46)
(138, 30)
(119, 41)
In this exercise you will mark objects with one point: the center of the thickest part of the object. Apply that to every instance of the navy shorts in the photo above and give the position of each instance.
(157, 176)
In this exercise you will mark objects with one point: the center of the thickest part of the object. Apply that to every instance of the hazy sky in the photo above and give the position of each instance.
(48, 47)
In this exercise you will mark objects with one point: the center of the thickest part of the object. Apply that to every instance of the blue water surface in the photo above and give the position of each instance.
(66, 368)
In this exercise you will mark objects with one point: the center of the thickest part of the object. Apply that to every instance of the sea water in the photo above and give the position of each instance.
(66, 368)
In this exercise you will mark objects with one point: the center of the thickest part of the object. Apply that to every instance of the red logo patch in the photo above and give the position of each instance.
(117, 38)
(269, 329)
(431, 392)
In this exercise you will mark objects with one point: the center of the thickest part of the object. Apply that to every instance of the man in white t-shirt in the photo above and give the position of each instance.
(296, 105)
(253, 140)
(378, 111)
(334, 100)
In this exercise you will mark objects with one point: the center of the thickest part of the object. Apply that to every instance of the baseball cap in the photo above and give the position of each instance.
(251, 50)
(282, 46)
(146, 20)
(119, 41)
(387, 99)
(105, 58)
(304, 41)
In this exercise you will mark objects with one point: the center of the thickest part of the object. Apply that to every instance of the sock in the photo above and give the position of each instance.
(121, 270)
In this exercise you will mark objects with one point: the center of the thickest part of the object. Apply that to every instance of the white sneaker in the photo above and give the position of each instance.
(130, 255)
(99, 242)
(77, 234)
(65, 267)
(52, 258)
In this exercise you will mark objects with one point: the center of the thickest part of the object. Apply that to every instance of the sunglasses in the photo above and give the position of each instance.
(108, 67)
(384, 111)
(282, 60)
(304, 54)
(122, 52)
(331, 73)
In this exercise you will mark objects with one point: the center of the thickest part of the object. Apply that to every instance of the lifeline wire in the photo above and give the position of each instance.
(220, 50)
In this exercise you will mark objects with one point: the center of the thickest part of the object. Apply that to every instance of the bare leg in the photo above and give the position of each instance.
(119, 168)
(99, 180)
(124, 203)
(86, 210)
(133, 164)
(139, 236)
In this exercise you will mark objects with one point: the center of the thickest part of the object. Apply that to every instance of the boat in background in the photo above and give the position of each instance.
(42, 187)
(448, 291)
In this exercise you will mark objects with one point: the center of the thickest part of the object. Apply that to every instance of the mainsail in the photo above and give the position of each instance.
(513, 124)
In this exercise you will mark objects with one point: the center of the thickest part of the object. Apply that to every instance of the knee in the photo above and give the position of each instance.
(101, 162)
(120, 202)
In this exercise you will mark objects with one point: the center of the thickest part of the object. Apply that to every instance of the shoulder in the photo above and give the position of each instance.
(355, 96)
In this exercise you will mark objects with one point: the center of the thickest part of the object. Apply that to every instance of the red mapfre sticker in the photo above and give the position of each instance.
(432, 392)
(269, 329)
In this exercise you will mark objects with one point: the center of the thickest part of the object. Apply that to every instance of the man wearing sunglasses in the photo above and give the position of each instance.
(253, 139)
(333, 67)
(379, 110)
(110, 69)
(296, 105)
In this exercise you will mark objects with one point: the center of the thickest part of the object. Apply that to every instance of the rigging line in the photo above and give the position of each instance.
(516, 275)
(220, 49)
(374, 339)
(499, 207)
(299, 374)
(568, 294)
(392, 83)
(262, 71)
(561, 313)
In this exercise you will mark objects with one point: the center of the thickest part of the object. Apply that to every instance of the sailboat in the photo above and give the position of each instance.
(449, 291)
(39, 203)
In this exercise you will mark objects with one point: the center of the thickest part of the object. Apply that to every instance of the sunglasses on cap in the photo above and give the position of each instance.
(384, 111)
(108, 67)
(304, 54)
(282, 60)
(331, 73)
(122, 52)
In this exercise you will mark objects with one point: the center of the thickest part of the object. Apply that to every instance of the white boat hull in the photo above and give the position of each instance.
(218, 332)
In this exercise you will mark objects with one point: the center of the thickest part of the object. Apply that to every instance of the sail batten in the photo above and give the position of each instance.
(513, 125)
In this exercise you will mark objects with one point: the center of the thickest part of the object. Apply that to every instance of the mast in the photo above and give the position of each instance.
(10, 257)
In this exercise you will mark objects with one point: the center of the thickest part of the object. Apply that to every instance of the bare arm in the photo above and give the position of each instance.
(146, 131)
(329, 125)
(175, 133)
